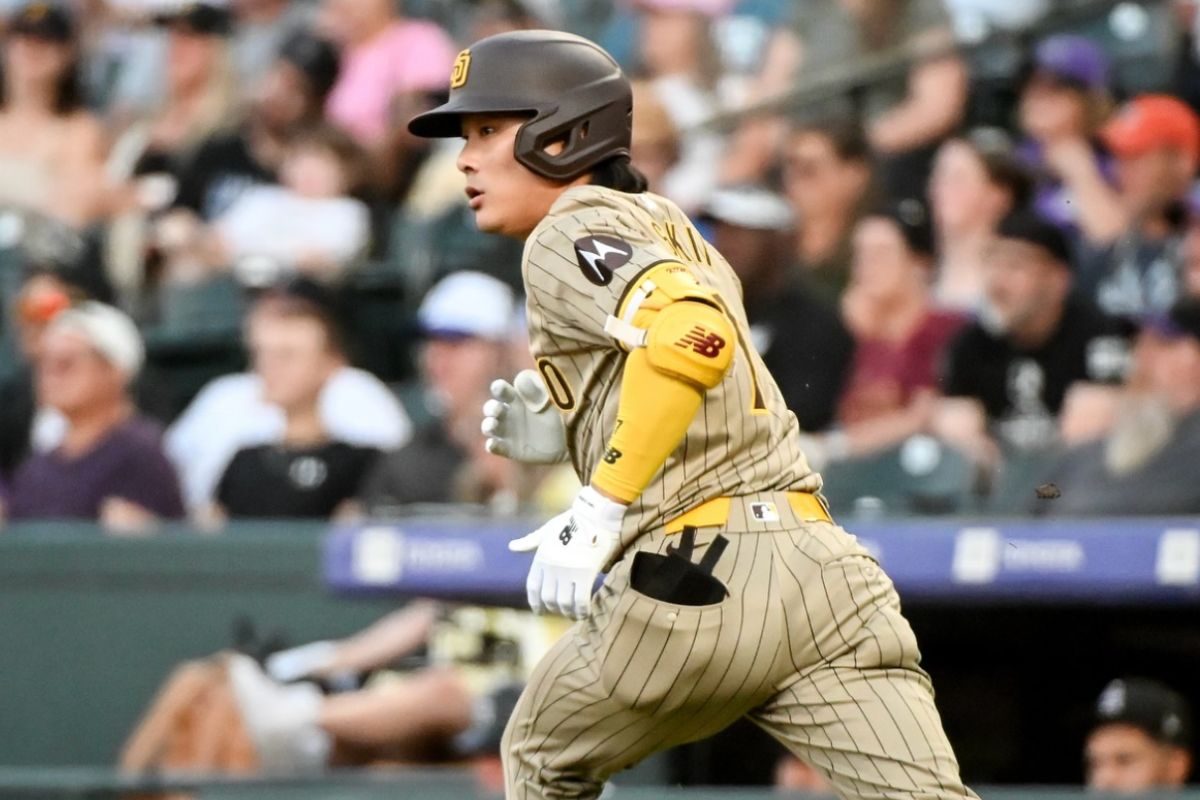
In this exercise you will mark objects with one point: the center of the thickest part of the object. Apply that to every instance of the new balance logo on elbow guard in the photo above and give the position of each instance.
(702, 341)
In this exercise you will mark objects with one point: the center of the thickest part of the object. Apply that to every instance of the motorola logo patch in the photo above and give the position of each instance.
(599, 256)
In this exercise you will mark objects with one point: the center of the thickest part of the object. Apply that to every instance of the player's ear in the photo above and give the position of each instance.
(555, 146)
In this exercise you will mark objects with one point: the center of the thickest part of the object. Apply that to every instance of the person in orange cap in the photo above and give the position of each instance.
(1155, 140)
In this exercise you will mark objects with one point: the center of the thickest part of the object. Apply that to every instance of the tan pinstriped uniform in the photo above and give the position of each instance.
(810, 643)
(742, 440)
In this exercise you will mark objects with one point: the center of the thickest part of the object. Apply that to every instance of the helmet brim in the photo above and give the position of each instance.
(445, 121)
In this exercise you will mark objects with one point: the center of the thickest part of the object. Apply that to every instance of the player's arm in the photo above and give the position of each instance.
(680, 344)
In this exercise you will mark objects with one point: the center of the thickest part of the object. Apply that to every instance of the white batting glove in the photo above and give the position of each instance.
(520, 422)
(571, 549)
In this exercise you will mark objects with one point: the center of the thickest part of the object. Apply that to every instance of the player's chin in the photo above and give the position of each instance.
(488, 222)
(498, 224)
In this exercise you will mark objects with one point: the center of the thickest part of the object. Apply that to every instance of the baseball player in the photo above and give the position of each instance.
(728, 592)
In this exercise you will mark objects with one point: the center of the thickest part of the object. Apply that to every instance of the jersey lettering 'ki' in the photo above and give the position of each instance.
(598, 257)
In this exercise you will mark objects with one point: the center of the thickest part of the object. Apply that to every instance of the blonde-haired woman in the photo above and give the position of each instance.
(201, 93)
(201, 100)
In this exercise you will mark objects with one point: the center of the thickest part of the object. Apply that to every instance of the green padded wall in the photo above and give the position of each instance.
(90, 624)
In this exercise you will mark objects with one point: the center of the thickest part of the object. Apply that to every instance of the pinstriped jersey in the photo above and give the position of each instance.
(583, 264)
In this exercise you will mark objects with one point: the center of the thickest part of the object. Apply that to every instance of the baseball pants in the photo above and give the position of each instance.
(810, 644)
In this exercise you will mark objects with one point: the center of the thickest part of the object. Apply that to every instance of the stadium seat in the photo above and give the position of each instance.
(920, 476)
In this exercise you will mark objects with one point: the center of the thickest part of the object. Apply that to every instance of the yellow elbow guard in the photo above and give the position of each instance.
(692, 341)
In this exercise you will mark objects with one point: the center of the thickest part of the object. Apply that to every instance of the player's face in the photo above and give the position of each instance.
(1122, 758)
(507, 198)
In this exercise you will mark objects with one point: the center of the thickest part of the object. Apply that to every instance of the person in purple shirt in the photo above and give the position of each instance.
(110, 465)
(1063, 104)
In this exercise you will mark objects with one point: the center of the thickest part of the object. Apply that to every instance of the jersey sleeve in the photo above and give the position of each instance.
(580, 262)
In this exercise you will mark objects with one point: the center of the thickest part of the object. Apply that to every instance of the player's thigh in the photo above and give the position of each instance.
(638, 676)
(864, 713)
(875, 733)
(592, 707)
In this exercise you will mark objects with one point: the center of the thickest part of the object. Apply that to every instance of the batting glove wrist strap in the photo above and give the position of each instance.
(570, 550)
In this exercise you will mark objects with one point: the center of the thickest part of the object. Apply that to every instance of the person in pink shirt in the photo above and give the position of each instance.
(383, 55)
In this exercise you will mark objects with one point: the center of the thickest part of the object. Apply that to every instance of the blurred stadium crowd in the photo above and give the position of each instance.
(234, 286)
(967, 232)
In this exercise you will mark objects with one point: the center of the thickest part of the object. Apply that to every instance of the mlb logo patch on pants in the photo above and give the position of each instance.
(764, 512)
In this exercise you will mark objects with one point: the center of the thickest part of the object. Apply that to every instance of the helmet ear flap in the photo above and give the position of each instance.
(536, 140)
(588, 139)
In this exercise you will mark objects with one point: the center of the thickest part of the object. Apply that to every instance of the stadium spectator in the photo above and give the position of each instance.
(232, 412)
(827, 179)
(1008, 372)
(1141, 739)
(201, 94)
(678, 58)
(110, 465)
(1155, 435)
(311, 224)
(905, 114)
(51, 149)
(383, 55)
(26, 426)
(900, 338)
(290, 94)
(800, 338)
(261, 28)
(296, 349)
(1062, 105)
(467, 322)
(425, 684)
(1131, 265)
(976, 182)
(655, 146)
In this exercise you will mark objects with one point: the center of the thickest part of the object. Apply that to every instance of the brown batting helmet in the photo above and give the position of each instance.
(570, 87)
